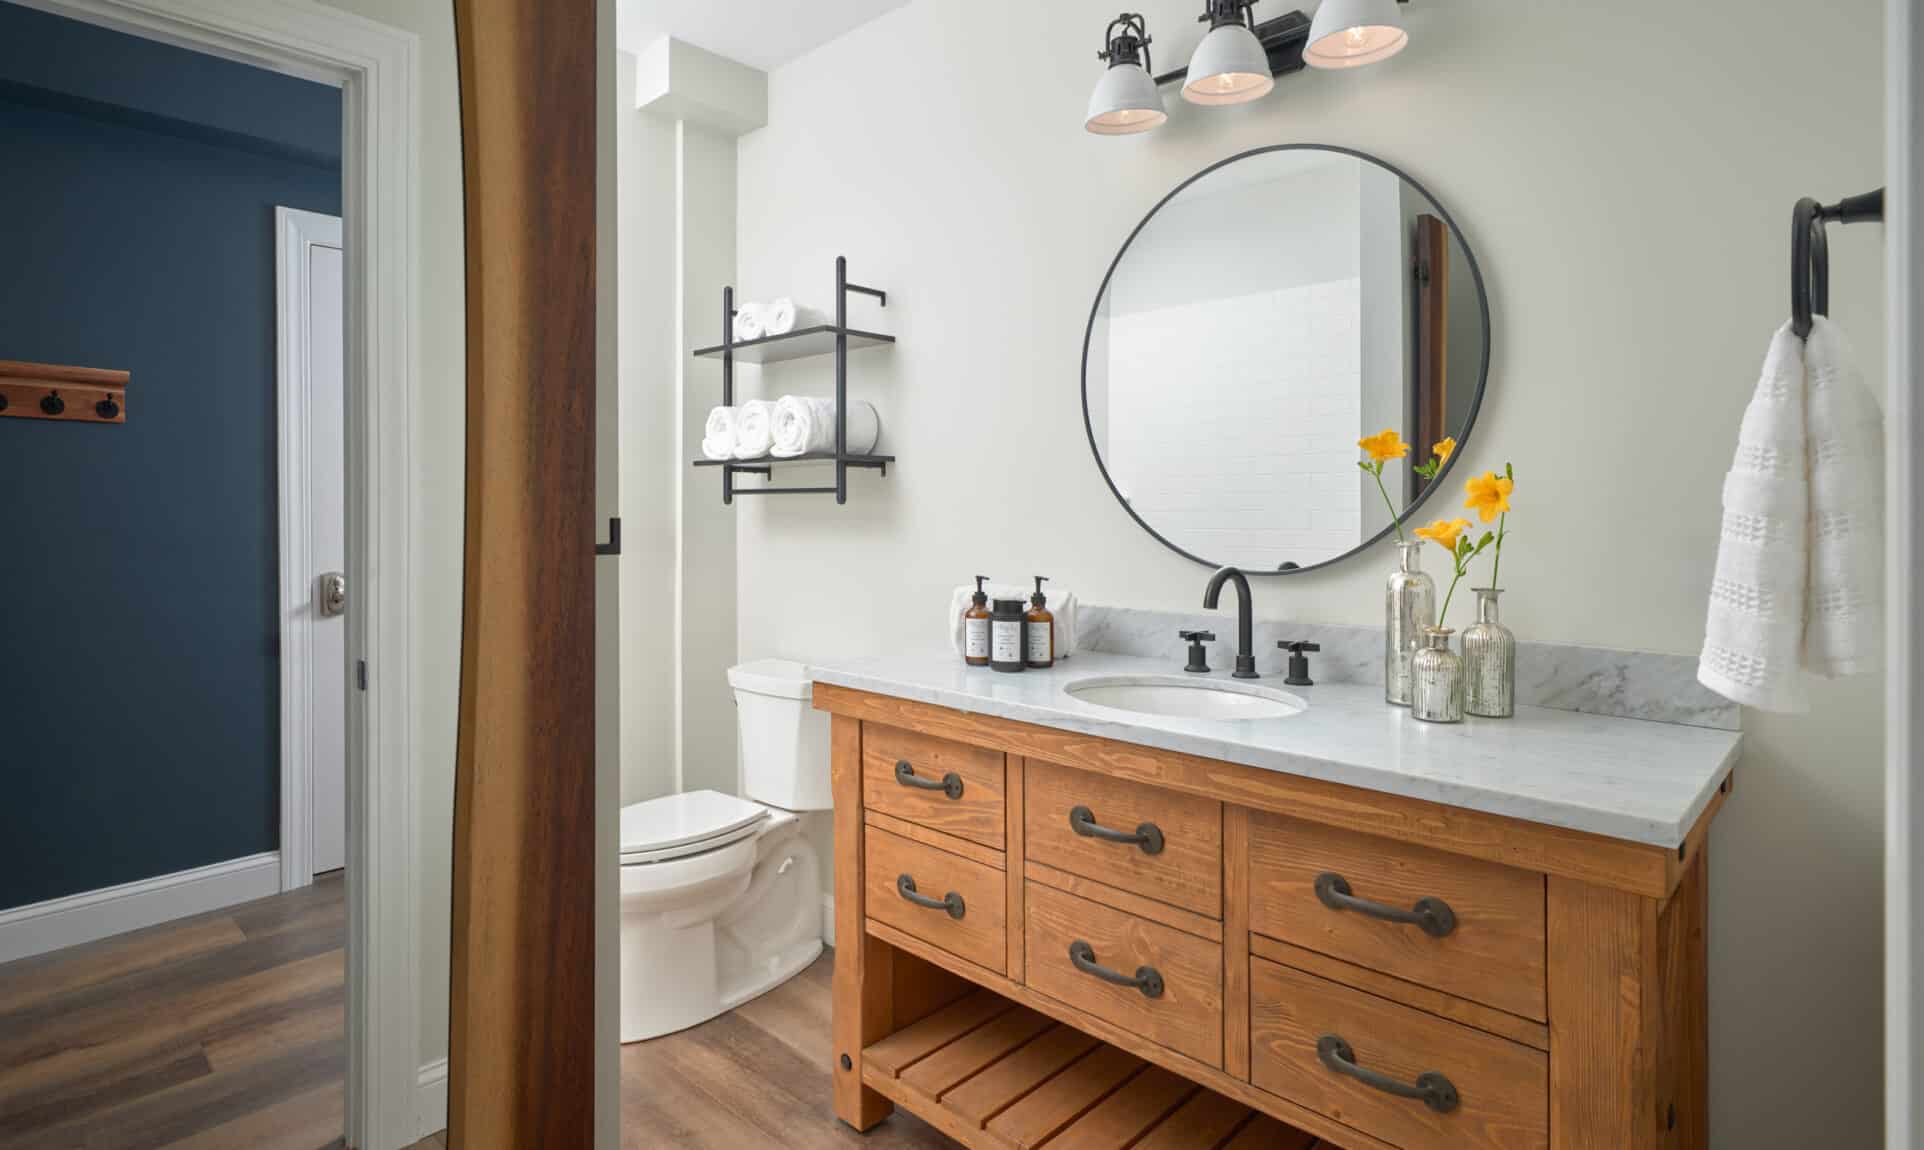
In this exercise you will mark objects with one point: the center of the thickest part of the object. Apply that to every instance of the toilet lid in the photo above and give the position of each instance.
(677, 825)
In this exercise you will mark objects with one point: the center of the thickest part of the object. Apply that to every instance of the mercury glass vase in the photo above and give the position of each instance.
(1410, 606)
(1436, 679)
(1489, 661)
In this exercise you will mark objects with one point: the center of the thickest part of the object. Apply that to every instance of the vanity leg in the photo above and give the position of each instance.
(1605, 1018)
(864, 966)
(1236, 941)
(1683, 1078)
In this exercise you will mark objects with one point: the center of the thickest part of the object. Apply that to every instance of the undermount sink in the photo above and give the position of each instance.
(1185, 698)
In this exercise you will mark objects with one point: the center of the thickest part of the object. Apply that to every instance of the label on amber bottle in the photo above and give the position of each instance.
(1041, 642)
(975, 638)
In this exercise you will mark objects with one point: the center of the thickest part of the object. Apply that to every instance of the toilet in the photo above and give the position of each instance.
(721, 897)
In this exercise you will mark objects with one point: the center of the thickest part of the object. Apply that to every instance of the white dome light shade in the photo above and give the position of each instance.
(1126, 100)
(1352, 33)
(1229, 67)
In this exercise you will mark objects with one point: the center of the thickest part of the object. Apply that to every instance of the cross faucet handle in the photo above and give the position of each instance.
(1198, 659)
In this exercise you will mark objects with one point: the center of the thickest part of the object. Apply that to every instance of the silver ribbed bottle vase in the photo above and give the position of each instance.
(1409, 606)
(1489, 661)
(1436, 679)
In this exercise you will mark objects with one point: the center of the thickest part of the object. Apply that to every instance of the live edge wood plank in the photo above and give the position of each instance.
(1636, 868)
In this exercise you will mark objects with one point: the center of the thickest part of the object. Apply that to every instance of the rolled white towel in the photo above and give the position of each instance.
(805, 424)
(1063, 604)
(718, 434)
(781, 316)
(750, 322)
(753, 429)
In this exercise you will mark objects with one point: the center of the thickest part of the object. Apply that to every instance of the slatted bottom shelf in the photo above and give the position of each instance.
(997, 1076)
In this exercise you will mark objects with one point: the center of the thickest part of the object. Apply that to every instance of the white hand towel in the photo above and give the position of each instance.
(1799, 574)
(780, 316)
(1844, 626)
(805, 424)
(1062, 604)
(749, 322)
(718, 434)
(753, 430)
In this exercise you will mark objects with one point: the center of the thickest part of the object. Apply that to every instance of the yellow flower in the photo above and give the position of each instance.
(1445, 449)
(1385, 444)
(1444, 532)
(1489, 495)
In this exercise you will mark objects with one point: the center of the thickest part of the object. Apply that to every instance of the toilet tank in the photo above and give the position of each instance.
(784, 740)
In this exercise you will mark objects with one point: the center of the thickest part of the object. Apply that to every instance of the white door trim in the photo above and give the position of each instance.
(377, 68)
(1904, 488)
(295, 232)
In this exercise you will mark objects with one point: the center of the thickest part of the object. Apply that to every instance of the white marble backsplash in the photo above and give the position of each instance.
(1568, 677)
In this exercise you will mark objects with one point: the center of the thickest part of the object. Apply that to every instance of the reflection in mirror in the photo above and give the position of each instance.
(1264, 317)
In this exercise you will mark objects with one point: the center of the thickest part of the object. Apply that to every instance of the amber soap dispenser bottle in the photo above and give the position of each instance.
(1039, 629)
(975, 627)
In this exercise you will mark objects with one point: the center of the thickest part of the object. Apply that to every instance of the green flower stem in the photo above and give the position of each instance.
(1444, 615)
(1496, 561)
(1396, 520)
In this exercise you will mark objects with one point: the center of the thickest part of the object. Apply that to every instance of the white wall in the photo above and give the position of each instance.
(1623, 171)
(439, 510)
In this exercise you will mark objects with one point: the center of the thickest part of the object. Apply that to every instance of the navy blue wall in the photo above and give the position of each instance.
(139, 676)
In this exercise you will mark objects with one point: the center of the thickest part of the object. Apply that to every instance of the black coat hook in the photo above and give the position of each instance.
(52, 404)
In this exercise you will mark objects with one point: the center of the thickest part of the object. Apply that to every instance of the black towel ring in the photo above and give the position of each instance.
(1810, 252)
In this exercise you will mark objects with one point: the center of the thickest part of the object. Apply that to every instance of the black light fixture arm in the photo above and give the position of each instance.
(1130, 45)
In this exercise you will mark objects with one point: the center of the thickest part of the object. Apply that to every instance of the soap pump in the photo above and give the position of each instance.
(1039, 629)
(975, 626)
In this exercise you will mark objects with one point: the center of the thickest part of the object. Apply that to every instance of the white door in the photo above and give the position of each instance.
(315, 598)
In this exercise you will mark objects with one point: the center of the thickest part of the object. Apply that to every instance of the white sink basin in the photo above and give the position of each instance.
(1185, 698)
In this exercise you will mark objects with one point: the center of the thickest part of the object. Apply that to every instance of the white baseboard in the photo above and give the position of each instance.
(828, 919)
(96, 914)
(431, 1099)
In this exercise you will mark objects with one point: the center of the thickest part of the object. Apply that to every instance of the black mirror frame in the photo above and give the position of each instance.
(1476, 401)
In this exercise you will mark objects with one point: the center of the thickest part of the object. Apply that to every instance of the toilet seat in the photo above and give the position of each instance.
(677, 826)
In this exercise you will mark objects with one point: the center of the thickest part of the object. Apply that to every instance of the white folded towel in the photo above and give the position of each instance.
(718, 434)
(780, 316)
(1799, 576)
(1062, 604)
(750, 323)
(805, 424)
(754, 429)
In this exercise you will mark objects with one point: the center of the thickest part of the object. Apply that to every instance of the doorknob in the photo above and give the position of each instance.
(333, 594)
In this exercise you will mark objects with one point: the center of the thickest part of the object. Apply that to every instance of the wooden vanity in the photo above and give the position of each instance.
(1051, 938)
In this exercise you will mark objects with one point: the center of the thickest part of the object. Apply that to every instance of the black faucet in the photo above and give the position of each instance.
(1245, 640)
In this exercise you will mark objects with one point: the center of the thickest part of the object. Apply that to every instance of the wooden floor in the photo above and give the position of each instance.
(219, 1031)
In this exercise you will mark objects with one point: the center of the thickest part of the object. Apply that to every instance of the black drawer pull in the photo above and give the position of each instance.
(951, 902)
(1148, 836)
(949, 784)
(1146, 979)
(1433, 915)
(1436, 1092)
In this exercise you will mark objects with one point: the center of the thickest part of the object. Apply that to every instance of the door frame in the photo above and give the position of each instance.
(377, 68)
(295, 232)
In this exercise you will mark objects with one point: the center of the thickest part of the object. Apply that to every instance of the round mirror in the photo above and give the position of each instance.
(1267, 314)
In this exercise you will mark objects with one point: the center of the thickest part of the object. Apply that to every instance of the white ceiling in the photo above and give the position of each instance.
(763, 34)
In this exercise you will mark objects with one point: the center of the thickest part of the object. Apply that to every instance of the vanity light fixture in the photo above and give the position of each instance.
(1352, 33)
(1238, 58)
(1126, 99)
(1230, 65)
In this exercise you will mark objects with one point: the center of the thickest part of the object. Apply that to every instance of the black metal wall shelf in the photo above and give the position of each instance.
(802, 343)
(836, 339)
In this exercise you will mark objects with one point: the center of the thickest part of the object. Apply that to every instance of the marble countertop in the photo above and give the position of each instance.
(1626, 778)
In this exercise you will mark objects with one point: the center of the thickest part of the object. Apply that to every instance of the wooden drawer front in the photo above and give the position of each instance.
(1186, 1017)
(976, 815)
(1502, 1089)
(1187, 871)
(1494, 954)
(979, 935)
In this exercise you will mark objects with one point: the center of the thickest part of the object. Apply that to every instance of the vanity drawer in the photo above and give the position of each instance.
(1490, 948)
(1186, 1015)
(903, 774)
(976, 928)
(1185, 866)
(1311, 1039)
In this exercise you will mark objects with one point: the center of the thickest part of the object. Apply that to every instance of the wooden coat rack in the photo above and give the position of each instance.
(51, 391)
